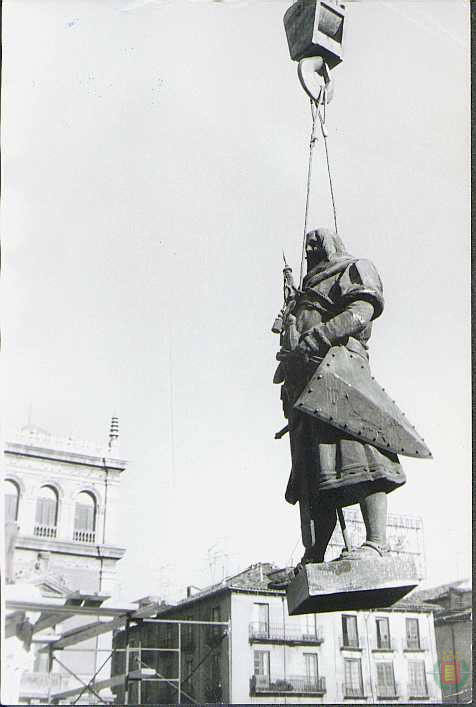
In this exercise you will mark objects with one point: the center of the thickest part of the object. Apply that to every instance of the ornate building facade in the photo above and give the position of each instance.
(61, 499)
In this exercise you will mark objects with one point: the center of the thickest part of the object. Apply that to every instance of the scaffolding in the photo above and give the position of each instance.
(137, 670)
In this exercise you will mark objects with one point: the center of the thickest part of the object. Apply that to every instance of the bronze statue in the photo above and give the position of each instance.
(344, 430)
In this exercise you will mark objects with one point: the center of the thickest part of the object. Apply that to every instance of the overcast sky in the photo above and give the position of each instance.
(154, 166)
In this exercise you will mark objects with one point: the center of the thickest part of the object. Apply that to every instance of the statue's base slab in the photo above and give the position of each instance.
(351, 584)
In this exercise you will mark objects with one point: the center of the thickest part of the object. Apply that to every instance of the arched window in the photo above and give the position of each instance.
(46, 513)
(85, 518)
(12, 499)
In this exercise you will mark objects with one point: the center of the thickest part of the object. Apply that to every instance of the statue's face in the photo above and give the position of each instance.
(314, 251)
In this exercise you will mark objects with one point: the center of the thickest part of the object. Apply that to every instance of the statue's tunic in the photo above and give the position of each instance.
(329, 466)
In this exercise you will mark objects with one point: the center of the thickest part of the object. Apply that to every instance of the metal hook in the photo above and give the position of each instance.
(311, 71)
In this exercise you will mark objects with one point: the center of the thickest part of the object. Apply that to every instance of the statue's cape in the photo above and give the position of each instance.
(343, 394)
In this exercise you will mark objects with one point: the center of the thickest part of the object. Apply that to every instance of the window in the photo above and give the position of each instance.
(350, 636)
(412, 633)
(310, 668)
(85, 518)
(353, 686)
(261, 663)
(383, 633)
(46, 512)
(417, 678)
(309, 625)
(262, 616)
(12, 499)
(385, 680)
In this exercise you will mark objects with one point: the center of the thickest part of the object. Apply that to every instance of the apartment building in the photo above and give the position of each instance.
(269, 657)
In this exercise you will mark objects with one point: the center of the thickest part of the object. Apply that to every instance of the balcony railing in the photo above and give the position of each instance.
(352, 690)
(45, 531)
(414, 644)
(388, 645)
(266, 633)
(417, 691)
(387, 691)
(40, 685)
(301, 685)
(84, 536)
(348, 642)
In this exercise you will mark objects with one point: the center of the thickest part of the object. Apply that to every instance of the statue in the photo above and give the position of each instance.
(344, 430)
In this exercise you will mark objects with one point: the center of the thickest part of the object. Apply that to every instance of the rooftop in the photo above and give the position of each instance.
(32, 440)
(254, 579)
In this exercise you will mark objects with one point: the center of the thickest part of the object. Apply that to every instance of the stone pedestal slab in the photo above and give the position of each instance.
(351, 584)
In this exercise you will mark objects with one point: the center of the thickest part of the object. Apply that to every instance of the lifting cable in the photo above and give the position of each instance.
(316, 113)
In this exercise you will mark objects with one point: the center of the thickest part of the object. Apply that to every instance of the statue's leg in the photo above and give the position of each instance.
(324, 524)
(374, 513)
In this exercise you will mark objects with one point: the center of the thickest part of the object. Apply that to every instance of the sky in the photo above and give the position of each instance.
(154, 169)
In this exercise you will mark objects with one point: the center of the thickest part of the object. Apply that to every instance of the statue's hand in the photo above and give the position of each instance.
(314, 342)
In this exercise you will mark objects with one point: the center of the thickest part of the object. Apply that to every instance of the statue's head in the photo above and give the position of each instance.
(322, 246)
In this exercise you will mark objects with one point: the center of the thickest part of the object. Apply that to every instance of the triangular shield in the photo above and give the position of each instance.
(343, 393)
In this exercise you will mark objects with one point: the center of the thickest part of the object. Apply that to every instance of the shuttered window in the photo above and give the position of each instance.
(47, 507)
(12, 499)
(417, 678)
(85, 512)
(385, 676)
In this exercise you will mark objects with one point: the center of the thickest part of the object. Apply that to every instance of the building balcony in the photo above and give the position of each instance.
(353, 692)
(352, 644)
(84, 536)
(418, 692)
(294, 686)
(414, 645)
(388, 646)
(265, 633)
(387, 692)
(39, 686)
(45, 531)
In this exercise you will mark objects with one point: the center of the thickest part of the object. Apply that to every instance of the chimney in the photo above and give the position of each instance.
(113, 433)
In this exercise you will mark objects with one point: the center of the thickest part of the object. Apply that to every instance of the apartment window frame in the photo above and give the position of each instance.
(347, 640)
(262, 607)
(420, 675)
(311, 659)
(309, 626)
(264, 659)
(412, 638)
(382, 641)
(356, 690)
(386, 668)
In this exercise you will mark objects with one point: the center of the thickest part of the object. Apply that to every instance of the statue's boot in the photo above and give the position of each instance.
(368, 550)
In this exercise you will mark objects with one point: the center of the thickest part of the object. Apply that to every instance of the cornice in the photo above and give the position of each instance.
(48, 454)
(67, 547)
